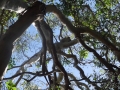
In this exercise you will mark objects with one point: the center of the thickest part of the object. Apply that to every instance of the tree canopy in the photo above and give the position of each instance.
(59, 44)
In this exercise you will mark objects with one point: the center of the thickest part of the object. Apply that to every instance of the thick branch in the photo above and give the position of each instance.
(34, 58)
(102, 60)
(49, 40)
(77, 31)
(51, 8)
(14, 32)
(63, 19)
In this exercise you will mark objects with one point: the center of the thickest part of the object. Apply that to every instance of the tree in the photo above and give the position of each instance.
(89, 35)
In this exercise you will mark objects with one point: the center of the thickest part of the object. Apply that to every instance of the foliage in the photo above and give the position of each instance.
(11, 63)
(11, 85)
(99, 16)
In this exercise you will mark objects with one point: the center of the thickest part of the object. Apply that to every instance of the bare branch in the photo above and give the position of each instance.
(37, 73)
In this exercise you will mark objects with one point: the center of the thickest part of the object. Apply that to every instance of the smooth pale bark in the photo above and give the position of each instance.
(35, 57)
(6, 42)
(14, 5)
(66, 22)
(51, 8)
(77, 31)
(48, 35)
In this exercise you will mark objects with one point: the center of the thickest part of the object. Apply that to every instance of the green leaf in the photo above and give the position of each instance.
(10, 85)
(83, 53)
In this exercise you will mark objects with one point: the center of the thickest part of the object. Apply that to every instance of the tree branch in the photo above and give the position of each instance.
(77, 31)
(14, 32)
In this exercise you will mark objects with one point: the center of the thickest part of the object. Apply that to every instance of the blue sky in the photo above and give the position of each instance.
(88, 69)
(35, 46)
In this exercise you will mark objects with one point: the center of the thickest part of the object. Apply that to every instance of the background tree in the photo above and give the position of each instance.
(73, 35)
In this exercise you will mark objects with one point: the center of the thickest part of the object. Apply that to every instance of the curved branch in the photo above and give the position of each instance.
(102, 60)
(37, 24)
(34, 58)
(15, 31)
(49, 40)
(37, 73)
(77, 31)
(79, 69)
(63, 19)
(78, 83)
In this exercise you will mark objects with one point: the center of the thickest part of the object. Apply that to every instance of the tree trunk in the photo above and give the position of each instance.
(6, 42)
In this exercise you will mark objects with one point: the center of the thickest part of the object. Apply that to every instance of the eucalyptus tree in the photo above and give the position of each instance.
(89, 35)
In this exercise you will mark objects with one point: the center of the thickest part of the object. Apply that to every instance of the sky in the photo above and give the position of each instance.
(89, 69)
